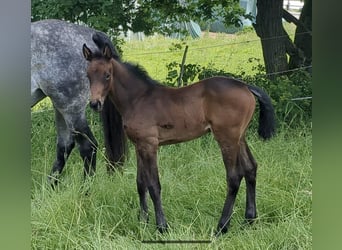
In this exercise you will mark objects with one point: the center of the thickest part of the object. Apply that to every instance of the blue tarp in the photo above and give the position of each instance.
(193, 29)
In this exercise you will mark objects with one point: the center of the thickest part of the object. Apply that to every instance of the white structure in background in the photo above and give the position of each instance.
(250, 8)
(293, 6)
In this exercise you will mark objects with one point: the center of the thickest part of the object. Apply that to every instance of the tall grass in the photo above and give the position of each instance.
(193, 183)
(193, 191)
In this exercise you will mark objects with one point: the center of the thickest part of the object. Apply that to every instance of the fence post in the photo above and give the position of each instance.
(182, 66)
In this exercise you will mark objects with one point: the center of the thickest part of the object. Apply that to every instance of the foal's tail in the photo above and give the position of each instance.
(114, 135)
(266, 116)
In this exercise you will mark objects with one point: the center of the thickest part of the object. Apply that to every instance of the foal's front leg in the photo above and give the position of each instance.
(148, 178)
(142, 189)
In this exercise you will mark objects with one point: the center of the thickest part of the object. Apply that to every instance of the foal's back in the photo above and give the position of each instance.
(210, 99)
(219, 104)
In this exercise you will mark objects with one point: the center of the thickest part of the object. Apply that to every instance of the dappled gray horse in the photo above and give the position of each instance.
(58, 70)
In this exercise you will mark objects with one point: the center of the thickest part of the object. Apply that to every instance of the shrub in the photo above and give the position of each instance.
(288, 94)
(286, 91)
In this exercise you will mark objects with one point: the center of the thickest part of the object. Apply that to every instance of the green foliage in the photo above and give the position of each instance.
(211, 71)
(190, 71)
(104, 15)
(285, 91)
(143, 15)
(177, 46)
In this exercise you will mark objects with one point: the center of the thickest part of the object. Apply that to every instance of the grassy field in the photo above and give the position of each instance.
(192, 177)
(223, 51)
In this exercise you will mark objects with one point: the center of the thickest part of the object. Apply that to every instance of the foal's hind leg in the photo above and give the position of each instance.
(249, 166)
(233, 176)
(65, 144)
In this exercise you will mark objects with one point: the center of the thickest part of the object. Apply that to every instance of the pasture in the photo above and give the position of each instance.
(192, 176)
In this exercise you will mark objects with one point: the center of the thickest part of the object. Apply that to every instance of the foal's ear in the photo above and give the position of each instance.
(87, 52)
(107, 52)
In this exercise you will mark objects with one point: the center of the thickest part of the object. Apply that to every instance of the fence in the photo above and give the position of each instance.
(205, 48)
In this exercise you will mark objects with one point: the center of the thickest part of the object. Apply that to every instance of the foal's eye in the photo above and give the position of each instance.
(107, 77)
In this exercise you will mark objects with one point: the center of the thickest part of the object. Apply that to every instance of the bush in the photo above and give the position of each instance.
(287, 93)
(290, 94)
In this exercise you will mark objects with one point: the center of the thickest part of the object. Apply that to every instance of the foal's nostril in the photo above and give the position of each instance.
(92, 105)
(96, 105)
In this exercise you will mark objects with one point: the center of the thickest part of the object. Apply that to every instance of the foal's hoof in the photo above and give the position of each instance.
(250, 221)
(143, 216)
(162, 228)
(250, 216)
(53, 181)
(221, 230)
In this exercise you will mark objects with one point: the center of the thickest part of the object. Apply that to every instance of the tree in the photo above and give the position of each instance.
(270, 29)
(137, 15)
(107, 15)
(149, 16)
(303, 38)
(276, 43)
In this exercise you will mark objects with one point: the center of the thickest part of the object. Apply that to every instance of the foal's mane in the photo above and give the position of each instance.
(139, 72)
(98, 55)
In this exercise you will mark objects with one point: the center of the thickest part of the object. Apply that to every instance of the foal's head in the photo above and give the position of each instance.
(100, 75)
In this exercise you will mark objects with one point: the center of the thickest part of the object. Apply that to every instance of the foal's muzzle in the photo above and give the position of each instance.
(96, 105)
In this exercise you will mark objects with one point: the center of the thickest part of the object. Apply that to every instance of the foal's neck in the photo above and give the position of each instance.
(127, 87)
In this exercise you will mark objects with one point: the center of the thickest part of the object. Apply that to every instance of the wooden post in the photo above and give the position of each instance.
(182, 67)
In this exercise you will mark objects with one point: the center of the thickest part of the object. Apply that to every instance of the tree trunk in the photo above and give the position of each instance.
(269, 28)
(303, 38)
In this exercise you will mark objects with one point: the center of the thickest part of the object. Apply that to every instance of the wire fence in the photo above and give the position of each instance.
(222, 45)
(219, 45)
(231, 44)
(287, 71)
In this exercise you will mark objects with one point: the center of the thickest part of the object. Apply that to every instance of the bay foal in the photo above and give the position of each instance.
(155, 115)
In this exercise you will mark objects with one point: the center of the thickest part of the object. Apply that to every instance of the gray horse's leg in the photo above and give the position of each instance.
(73, 128)
(65, 144)
(36, 96)
(87, 145)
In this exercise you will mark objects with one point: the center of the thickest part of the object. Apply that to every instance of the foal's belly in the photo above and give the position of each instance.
(171, 134)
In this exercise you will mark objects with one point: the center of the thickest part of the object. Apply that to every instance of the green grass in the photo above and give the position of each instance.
(192, 176)
(223, 52)
(193, 190)
(229, 52)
